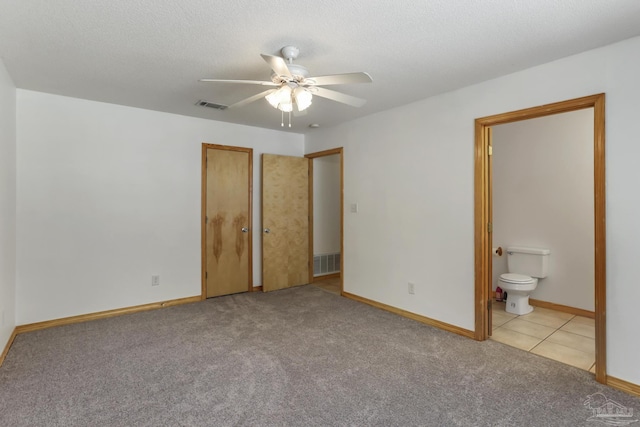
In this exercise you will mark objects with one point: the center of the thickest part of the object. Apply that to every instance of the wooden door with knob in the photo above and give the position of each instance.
(226, 187)
(285, 221)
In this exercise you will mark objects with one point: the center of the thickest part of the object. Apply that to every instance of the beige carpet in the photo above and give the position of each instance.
(297, 357)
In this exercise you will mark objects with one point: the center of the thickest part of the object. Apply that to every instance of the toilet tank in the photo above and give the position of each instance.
(533, 262)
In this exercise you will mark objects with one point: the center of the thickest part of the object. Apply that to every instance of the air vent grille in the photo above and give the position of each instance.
(208, 104)
(326, 264)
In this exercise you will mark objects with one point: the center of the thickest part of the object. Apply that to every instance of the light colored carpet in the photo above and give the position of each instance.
(297, 357)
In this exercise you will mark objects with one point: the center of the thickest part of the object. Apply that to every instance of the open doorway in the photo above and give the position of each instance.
(484, 215)
(326, 212)
(542, 209)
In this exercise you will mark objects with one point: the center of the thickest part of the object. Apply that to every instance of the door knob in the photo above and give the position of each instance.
(245, 230)
(267, 230)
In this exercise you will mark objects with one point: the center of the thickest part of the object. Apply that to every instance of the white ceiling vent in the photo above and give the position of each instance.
(208, 104)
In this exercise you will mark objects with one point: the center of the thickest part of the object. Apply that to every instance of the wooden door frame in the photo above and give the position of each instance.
(203, 225)
(311, 157)
(482, 236)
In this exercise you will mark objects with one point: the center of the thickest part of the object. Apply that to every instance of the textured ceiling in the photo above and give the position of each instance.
(151, 53)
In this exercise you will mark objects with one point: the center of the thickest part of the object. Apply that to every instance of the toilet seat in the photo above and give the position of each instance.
(516, 279)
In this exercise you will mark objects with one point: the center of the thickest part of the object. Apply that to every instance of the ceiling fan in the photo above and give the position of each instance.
(291, 85)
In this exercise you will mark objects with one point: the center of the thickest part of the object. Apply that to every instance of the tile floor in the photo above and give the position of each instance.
(329, 285)
(553, 334)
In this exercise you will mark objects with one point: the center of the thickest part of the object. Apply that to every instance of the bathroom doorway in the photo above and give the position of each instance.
(484, 215)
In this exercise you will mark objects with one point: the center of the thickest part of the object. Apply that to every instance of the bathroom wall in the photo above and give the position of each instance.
(326, 204)
(543, 197)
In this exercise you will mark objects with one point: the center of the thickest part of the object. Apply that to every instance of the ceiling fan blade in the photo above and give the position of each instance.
(277, 64)
(340, 79)
(250, 99)
(249, 82)
(338, 96)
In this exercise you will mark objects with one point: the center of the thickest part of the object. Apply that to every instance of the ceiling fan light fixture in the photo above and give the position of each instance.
(291, 84)
(303, 98)
(281, 99)
(273, 99)
(276, 97)
(287, 107)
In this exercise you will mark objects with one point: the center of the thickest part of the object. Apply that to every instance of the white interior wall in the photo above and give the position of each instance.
(110, 195)
(415, 220)
(326, 204)
(543, 197)
(7, 206)
(410, 169)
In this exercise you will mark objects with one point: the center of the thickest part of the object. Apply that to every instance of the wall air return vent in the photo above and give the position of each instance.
(326, 264)
(208, 104)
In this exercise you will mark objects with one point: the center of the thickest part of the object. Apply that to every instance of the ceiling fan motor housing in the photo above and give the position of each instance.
(298, 72)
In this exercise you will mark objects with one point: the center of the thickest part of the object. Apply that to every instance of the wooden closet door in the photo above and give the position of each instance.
(227, 221)
(285, 221)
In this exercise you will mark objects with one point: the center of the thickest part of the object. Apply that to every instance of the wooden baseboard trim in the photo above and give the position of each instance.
(623, 385)
(8, 346)
(562, 308)
(326, 277)
(256, 289)
(422, 319)
(104, 314)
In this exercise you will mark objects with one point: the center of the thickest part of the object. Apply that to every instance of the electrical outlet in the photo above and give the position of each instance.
(411, 288)
(155, 280)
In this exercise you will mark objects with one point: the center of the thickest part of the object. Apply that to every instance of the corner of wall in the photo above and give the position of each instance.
(7, 210)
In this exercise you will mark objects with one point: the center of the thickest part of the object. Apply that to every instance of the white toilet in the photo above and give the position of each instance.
(526, 266)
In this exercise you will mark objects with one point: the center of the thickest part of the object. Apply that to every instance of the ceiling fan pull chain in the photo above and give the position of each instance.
(289, 118)
(282, 121)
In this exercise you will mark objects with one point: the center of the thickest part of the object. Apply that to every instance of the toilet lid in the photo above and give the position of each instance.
(515, 278)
